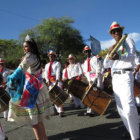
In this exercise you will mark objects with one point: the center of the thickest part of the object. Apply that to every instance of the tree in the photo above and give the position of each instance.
(58, 34)
(11, 51)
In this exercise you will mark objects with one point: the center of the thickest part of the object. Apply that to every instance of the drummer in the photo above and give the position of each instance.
(137, 78)
(65, 77)
(4, 72)
(52, 76)
(91, 68)
(122, 64)
(74, 72)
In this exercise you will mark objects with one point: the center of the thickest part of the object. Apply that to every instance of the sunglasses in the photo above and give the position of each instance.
(71, 59)
(119, 30)
(86, 51)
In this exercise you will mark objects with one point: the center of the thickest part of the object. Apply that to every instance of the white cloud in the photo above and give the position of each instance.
(135, 36)
(107, 43)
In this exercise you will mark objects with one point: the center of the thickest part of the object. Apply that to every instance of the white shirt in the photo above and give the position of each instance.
(55, 71)
(74, 70)
(127, 60)
(95, 67)
(5, 73)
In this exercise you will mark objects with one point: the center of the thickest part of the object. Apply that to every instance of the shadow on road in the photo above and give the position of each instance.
(111, 131)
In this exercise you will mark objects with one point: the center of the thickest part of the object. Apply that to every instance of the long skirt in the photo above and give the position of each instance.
(43, 109)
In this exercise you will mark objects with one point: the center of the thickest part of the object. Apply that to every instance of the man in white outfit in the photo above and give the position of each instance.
(137, 77)
(75, 72)
(52, 76)
(4, 72)
(92, 70)
(122, 65)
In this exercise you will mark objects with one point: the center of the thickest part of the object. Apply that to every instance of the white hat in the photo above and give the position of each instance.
(71, 56)
(52, 53)
(86, 48)
(115, 25)
(2, 60)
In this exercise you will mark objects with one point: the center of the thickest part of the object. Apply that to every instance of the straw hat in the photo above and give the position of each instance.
(52, 53)
(71, 56)
(86, 48)
(115, 25)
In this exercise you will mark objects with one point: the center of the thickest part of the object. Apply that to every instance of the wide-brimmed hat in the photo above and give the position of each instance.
(71, 56)
(86, 48)
(51, 53)
(115, 25)
(2, 60)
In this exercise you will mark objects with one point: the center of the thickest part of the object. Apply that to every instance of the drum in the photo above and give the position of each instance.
(77, 88)
(57, 95)
(97, 100)
(4, 100)
(107, 83)
(136, 89)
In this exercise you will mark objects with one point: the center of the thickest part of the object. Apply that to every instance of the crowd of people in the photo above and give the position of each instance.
(30, 83)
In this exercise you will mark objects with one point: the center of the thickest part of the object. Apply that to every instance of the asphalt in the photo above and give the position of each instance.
(73, 126)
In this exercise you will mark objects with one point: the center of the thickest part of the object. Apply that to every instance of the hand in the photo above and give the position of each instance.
(115, 56)
(56, 82)
(49, 83)
(90, 83)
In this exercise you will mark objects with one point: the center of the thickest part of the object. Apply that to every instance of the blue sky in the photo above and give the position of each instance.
(92, 17)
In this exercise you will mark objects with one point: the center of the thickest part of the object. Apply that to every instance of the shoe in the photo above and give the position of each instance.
(61, 115)
(89, 114)
(126, 136)
(6, 138)
(71, 100)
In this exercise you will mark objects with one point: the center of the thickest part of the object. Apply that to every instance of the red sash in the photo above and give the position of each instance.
(89, 67)
(66, 73)
(49, 71)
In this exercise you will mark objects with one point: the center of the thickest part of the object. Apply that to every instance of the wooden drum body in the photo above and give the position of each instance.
(97, 100)
(4, 100)
(77, 88)
(57, 95)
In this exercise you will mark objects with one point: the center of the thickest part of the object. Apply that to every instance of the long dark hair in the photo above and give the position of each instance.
(34, 49)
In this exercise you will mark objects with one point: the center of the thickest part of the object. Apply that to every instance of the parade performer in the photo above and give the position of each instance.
(122, 65)
(4, 72)
(52, 76)
(137, 78)
(30, 101)
(75, 72)
(92, 70)
(65, 78)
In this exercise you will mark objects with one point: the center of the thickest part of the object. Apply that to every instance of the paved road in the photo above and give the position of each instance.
(73, 126)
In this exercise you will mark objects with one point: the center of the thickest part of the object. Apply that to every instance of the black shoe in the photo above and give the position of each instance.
(61, 115)
(126, 136)
(6, 138)
(89, 114)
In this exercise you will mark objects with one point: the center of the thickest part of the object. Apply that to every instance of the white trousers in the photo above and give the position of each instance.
(58, 109)
(5, 114)
(123, 92)
(137, 101)
(78, 102)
